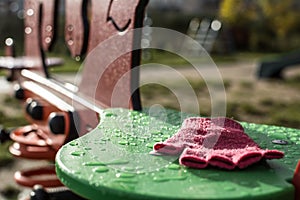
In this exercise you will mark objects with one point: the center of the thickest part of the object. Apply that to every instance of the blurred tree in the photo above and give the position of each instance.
(280, 16)
(267, 24)
(11, 25)
(238, 12)
(238, 15)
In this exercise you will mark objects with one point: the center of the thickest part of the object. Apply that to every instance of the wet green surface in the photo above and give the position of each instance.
(113, 162)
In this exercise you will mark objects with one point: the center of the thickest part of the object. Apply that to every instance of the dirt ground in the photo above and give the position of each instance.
(253, 98)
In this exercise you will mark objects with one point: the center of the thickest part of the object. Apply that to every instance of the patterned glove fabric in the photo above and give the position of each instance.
(219, 142)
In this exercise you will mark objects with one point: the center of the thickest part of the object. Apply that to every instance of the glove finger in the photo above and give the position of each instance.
(245, 157)
(194, 158)
(273, 154)
(222, 161)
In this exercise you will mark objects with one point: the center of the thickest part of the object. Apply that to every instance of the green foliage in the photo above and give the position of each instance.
(238, 12)
(280, 16)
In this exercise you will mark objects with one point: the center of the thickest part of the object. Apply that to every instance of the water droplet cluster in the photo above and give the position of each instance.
(116, 156)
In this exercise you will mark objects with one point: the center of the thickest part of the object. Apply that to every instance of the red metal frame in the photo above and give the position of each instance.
(88, 23)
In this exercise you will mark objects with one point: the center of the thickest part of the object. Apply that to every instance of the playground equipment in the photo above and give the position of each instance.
(101, 144)
(273, 68)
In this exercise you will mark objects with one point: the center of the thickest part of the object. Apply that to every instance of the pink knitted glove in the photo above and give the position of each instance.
(219, 142)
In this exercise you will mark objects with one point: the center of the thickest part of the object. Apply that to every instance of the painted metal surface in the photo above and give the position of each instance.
(88, 24)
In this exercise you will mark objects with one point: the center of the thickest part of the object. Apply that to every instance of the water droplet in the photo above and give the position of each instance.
(139, 167)
(160, 170)
(140, 172)
(48, 40)
(172, 178)
(101, 169)
(73, 143)
(166, 137)
(93, 164)
(30, 12)
(70, 28)
(150, 145)
(78, 153)
(123, 142)
(229, 188)
(28, 30)
(294, 139)
(9, 42)
(131, 139)
(141, 140)
(122, 180)
(158, 139)
(118, 134)
(293, 134)
(160, 179)
(125, 175)
(131, 169)
(257, 189)
(157, 133)
(110, 115)
(278, 135)
(144, 138)
(78, 58)
(146, 123)
(48, 28)
(173, 166)
(70, 42)
(133, 113)
(117, 162)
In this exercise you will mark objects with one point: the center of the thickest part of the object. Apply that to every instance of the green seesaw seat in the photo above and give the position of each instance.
(113, 162)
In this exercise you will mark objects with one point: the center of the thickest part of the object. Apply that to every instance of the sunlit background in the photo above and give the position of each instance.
(238, 34)
(248, 25)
